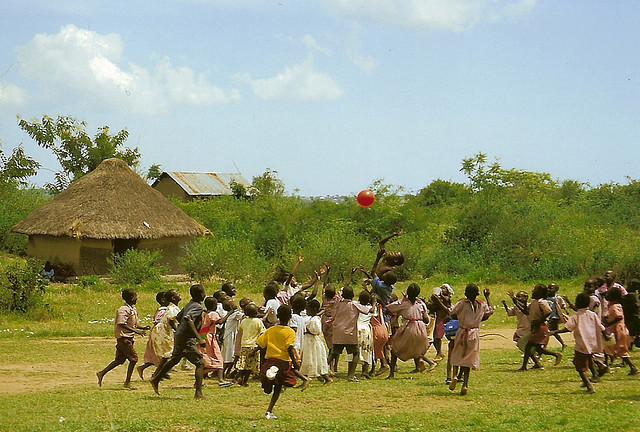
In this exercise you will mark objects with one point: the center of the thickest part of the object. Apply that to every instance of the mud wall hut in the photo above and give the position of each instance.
(110, 209)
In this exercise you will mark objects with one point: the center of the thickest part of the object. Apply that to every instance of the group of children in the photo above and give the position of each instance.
(605, 325)
(291, 335)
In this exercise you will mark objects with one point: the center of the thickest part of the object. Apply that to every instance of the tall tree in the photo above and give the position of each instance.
(75, 150)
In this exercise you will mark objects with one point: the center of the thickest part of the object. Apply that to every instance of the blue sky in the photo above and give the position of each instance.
(334, 94)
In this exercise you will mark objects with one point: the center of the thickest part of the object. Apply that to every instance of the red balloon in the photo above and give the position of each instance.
(366, 198)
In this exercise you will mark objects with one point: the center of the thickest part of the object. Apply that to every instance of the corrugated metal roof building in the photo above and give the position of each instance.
(186, 186)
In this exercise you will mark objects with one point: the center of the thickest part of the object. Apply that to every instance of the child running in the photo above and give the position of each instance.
(126, 326)
(150, 356)
(411, 340)
(615, 324)
(520, 310)
(187, 339)
(586, 328)
(280, 357)
(162, 335)
(558, 311)
(539, 311)
(466, 351)
(211, 353)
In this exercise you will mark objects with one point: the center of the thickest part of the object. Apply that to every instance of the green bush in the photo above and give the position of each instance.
(21, 286)
(136, 266)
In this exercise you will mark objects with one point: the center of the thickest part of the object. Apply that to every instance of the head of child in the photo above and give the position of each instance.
(313, 307)
(522, 297)
(539, 291)
(229, 305)
(393, 258)
(599, 281)
(413, 291)
(220, 296)
(172, 296)
(614, 295)
(590, 286)
(270, 290)
(347, 293)
(244, 302)
(582, 300)
(446, 291)
(211, 304)
(284, 314)
(197, 292)
(298, 303)
(552, 289)
(251, 310)
(609, 277)
(389, 278)
(229, 288)
(364, 298)
(330, 291)
(161, 298)
(130, 296)
(471, 291)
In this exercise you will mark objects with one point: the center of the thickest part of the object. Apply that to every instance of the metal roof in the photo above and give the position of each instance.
(206, 184)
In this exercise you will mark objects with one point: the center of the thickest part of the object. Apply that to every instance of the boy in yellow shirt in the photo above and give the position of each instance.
(280, 357)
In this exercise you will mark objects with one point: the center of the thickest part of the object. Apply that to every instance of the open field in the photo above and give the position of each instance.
(48, 383)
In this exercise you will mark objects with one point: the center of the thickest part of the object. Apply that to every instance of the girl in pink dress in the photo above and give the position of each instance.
(411, 340)
(615, 324)
(466, 350)
(211, 354)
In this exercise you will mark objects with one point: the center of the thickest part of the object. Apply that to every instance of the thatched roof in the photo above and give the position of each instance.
(110, 202)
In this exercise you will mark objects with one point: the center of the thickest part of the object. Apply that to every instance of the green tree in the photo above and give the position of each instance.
(267, 184)
(153, 173)
(75, 150)
(17, 167)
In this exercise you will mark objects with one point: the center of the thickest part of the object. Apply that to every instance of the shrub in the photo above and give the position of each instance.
(21, 286)
(136, 266)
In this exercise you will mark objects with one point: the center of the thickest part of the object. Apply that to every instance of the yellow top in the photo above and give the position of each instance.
(277, 340)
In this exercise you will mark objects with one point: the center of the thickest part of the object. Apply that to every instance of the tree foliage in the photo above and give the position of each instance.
(18, 167)
(75, 150)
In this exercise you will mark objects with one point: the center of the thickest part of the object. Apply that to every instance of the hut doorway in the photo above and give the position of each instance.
(120, 246)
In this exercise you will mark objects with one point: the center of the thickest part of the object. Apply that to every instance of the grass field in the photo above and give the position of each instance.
(47, 383)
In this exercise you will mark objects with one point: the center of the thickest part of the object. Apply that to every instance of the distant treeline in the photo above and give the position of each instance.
(502, 224)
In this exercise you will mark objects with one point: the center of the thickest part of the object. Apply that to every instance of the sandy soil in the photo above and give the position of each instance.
(62, 363)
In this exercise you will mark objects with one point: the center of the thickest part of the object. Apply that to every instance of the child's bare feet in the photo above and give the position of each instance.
(199, 396)
(154, 385)
(100, 375)
(305, 384)
(522, 369)
(432, 367)
(128, 386)
(463, 390)
(452, 385)
(382, 370)
(140, 370)
(558, 359)
(329, 381)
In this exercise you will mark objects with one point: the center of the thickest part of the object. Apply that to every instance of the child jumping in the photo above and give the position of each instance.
(126, 326)
(539, 310)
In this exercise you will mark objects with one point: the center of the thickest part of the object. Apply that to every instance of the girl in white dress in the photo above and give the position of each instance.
(314, 351)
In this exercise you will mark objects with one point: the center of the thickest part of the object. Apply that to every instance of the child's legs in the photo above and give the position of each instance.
(392, 365)
(585, 381)
(437, 344)
(527, 355)
(277, 388)
(130, 369)
(465, 375)
(542, 350)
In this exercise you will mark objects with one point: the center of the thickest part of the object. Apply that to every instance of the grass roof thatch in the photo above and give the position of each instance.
(110, 202)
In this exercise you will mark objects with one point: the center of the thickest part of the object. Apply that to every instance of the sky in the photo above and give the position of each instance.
(334, 94)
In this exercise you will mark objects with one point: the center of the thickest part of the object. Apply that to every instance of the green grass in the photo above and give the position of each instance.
(48, 362)
(499, 399)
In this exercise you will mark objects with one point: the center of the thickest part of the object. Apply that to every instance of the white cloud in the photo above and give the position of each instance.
(11, 95)
(364, 62)
(300, 82)
(311, 44)
(454, 15)
(87, 65)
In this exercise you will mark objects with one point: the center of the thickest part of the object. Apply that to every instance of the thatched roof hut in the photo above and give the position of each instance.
(108, 210)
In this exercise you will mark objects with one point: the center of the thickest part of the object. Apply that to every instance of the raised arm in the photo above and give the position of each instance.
(294, 268)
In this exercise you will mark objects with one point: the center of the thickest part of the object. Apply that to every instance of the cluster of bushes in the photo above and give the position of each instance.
(21, 285)
(502, 224)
